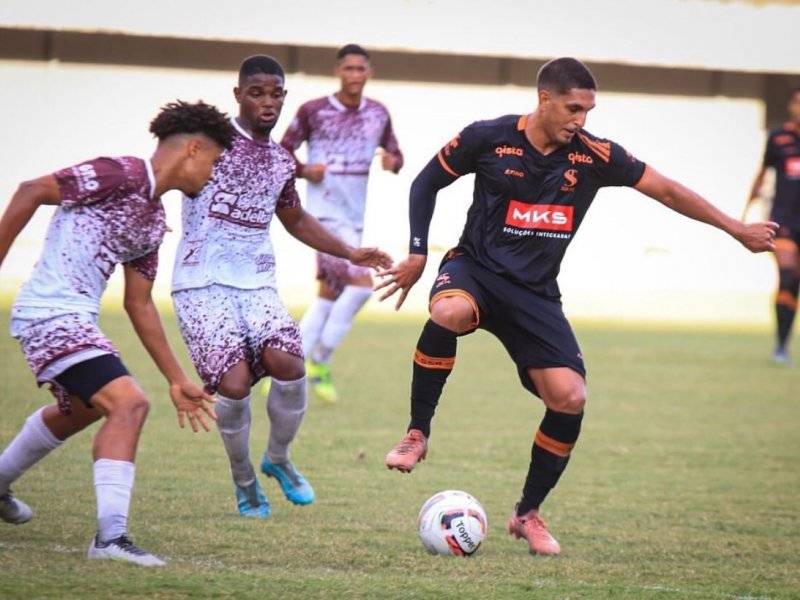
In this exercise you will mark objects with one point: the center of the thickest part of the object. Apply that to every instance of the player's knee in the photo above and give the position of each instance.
(284, 366)
(235, 390)
(570, 402)
(131, 408)
(454, 314)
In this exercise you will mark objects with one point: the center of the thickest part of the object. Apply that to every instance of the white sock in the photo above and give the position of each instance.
(113, 486)
(313, 321)
(344, 310)
(286, 405)
(233, 422)
(33, 442)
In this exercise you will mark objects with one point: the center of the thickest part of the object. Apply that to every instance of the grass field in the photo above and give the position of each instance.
(685, 482)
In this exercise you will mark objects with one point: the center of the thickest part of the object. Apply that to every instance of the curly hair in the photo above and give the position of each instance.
(184, 117)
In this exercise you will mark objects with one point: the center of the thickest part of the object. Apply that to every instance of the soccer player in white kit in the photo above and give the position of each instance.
(224, 290)
(342, 131)
(108, 212)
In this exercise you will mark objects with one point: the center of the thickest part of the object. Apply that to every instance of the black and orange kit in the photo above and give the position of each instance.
(783, 154)
(526, 209)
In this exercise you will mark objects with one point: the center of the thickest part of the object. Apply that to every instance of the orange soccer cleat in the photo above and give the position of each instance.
(408, 452)
(531, 527)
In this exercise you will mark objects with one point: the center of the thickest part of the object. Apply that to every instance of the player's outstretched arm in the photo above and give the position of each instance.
(306, 228)
(421, 203)
(29, 196)
(190, 400)
(756, 237)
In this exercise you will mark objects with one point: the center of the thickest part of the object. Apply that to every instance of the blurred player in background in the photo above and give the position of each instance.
(343, 131)
(224, 289)
(783, 154)
(108, 212)
(535, 178)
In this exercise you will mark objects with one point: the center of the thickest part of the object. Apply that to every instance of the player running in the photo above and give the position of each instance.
(343, 131)
(783, 154)
(535, 177)
(109, 212)
(224, 289)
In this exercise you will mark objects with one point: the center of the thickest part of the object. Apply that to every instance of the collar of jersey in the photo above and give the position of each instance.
(341, 107)
(244, 133)
(151, 177)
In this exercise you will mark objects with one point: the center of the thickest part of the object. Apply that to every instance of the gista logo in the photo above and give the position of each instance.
(506, 150)
(553, 217)
(577, 157)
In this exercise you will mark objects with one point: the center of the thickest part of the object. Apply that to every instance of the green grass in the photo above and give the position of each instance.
(684, 483)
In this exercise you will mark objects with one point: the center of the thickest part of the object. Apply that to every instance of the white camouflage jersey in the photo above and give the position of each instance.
(225, 238)
(344, 140)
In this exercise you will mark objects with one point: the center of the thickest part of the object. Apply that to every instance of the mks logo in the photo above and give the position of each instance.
(553, 217)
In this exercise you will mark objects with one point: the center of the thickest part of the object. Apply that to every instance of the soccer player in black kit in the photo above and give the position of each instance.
(535, 177)
(783, 154)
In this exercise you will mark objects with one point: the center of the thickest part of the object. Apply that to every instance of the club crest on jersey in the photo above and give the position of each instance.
(570, 180)
(508, 150)
(552, 217)
(579, 157)
(227, 206)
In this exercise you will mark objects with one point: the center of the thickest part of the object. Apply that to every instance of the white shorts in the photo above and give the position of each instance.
(224, 325)
(334, 271)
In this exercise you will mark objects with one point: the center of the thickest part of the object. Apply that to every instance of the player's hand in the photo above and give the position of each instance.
(192, 402)
(402, 277)
(758, 237)
(388, 161)
(314, 173)
(374, 258)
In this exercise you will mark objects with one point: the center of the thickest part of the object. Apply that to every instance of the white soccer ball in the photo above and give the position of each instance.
(452, 523)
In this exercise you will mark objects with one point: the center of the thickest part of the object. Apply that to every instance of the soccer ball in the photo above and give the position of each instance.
(452, 523)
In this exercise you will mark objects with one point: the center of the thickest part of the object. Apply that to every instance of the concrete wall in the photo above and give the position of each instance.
(633, 258)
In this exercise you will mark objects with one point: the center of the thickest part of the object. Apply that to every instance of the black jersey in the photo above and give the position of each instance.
(526, 206)
(783, 153)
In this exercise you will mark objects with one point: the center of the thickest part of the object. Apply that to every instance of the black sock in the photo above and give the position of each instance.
(786, 304)
(433, 361)
(552, 445)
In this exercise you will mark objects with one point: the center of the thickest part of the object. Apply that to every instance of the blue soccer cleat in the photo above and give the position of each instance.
(294, 485)
(252, 502)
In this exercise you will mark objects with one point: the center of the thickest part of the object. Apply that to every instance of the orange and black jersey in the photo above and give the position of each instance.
(783, 153)
(526, 206)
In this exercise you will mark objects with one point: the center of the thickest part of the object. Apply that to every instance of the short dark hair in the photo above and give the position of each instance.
(560, 75)
(351, 49)
(260, 63)
(184, 117)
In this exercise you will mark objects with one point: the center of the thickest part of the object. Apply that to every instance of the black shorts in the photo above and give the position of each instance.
(87, 378)
(532, 328)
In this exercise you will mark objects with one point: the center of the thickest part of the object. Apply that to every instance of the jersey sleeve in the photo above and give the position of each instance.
(460, 155)
(289, 197)
(146, 265)
(389, 143)
(297, 133)
(617, 166)
(90, 181)
(771, 158)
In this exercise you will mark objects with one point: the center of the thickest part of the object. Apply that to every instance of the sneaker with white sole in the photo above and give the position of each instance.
(122, 548)
(13, 510)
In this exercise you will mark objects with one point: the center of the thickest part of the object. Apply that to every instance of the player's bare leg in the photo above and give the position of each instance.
(125, 408)
(564, 394)
(787, 257)
(434, 358)
(286, 406)
(233, 421)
